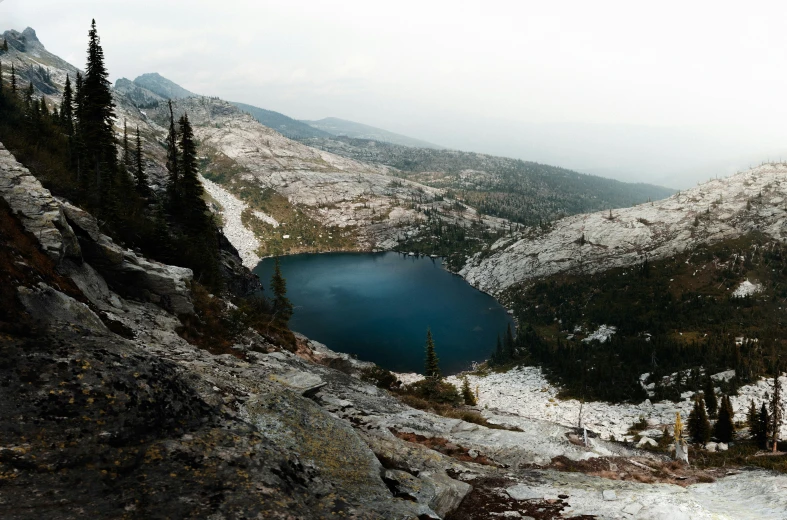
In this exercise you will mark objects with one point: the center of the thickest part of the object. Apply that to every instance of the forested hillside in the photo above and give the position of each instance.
(712, 309)
(520, 191)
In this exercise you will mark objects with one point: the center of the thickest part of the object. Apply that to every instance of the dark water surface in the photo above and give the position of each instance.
(379, 305)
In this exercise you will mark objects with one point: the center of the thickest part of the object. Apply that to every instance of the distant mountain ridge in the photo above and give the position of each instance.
(342, 127)
(285, 125)
(163, 87)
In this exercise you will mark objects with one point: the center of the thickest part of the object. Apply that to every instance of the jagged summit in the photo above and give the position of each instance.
(30, 34)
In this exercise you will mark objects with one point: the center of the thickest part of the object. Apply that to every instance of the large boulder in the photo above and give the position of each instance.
(126, 273)
(50, 307)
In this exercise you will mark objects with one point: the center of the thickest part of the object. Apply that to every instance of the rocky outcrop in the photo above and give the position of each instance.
(70, 236)
(127, 273)
(35, 207)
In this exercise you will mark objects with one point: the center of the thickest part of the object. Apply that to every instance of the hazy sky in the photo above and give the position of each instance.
(668, 92)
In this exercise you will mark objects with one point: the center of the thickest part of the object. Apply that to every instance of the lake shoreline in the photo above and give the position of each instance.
(458, 313)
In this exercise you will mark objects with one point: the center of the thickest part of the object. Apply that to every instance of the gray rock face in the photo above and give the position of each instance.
(51, 221)
(448, 493)
(39, 212)
(52, 307)
(523, 492)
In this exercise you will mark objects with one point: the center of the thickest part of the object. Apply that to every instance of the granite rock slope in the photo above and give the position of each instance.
(717, 210)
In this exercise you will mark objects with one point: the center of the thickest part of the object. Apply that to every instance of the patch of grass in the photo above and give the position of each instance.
(742, 454)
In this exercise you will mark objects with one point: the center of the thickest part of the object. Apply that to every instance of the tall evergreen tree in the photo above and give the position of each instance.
(79, 98)
(710, 397)
(776, 411)
(126, 164)
(139, 171)
(282, 308)
(173, 168)
(724, 427)
(1, 78)
(67, 108)
(699, 426)
(432, 364)
(13, 79)
(5, 45)
(78, 147)
(96, 118)
(192, 206)
(29, 91)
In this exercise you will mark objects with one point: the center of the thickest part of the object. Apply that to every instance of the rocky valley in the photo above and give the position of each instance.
(132, 388)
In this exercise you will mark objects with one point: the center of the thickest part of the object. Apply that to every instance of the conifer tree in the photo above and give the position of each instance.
(508, 344)
(724, 427)
(432, 364)
(13, 79)
(763, 427)
(96, 118)
(753, 420)
(44, 108)
(776, 411)
(710, 397)
(173, 187)
(498, 355)
(467, 393)
(79, 149)
(139, 172)
(126, 163)
(699, 426)
(67, 108)
(5, 45)
(1, 78)
(29, 97)
(79, 99)
(666, 438)
(192, 206)
(282, 308)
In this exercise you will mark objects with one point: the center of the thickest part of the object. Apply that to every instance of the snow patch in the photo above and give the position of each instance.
(602, 334)
(746, 288)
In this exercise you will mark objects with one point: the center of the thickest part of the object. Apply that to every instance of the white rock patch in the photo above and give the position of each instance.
(602, 334)
(746, 288)
(231, 209)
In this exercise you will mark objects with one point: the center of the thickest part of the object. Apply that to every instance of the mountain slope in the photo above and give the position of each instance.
(714, 211)
(517, 190)
(287, 126)
(139, 96)
(342, 127)
(323, 201)
(161, 86)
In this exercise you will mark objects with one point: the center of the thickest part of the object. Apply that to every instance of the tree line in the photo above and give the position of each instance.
(74, 150)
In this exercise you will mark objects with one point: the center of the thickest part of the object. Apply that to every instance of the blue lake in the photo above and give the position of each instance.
(378, 306)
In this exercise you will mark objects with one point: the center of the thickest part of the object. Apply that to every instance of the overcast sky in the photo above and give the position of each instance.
(667, 92)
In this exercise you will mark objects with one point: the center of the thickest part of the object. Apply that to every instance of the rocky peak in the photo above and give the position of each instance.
(30, 35)
(161, 86)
